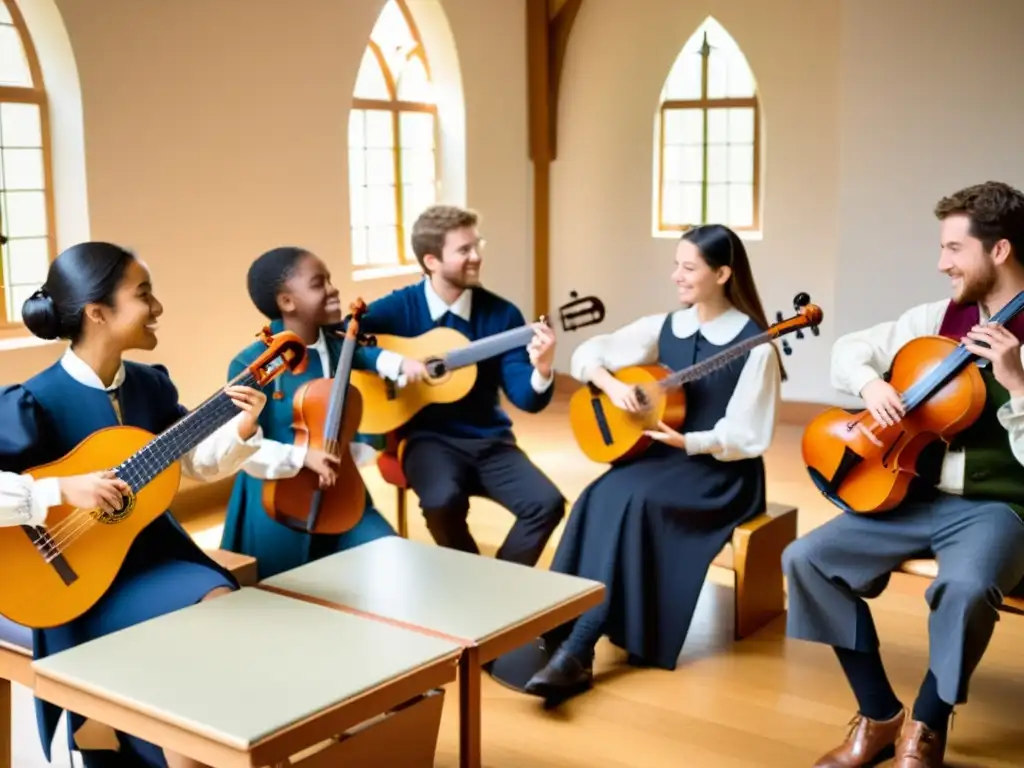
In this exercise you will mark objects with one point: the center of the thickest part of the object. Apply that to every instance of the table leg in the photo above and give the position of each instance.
(6, 727)
(469, 709)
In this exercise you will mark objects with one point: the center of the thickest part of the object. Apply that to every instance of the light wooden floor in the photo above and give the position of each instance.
(760, 703)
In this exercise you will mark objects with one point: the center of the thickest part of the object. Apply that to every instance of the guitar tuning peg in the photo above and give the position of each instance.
(786, 349)
(778, 317)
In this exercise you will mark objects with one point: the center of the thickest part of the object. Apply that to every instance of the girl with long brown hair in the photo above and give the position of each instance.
(649, 528)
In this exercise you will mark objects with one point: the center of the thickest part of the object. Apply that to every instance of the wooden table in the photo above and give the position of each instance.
(280, 682)
(16, 648)
(486, 605)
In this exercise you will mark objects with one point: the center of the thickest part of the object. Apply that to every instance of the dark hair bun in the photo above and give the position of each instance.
(40, 315)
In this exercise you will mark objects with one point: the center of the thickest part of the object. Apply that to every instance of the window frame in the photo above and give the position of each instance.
(704, 103)
(396, 107)
(36, 94)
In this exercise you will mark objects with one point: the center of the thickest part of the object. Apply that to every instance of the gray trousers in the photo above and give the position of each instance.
(979, 547)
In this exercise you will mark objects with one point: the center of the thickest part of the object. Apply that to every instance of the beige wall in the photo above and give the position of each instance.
(214, 130)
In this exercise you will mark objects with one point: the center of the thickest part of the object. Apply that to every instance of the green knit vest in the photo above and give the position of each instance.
(991, 471)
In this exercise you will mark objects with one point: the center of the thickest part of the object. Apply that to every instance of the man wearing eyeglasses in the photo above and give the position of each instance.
(467, 448)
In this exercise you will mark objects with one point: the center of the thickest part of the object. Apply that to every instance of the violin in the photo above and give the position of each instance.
(866, 467)
(325, 416)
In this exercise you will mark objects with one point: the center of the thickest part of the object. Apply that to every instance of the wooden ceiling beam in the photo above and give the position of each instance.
(548, 25)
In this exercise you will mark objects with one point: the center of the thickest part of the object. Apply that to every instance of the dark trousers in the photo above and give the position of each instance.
(445, 471)
(980, 551)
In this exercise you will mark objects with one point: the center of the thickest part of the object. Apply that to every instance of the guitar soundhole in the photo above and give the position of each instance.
(110, 518)
(641, 397)
(436, 368)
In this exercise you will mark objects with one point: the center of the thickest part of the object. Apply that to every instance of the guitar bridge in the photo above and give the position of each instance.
(602, 421)
(47, 550)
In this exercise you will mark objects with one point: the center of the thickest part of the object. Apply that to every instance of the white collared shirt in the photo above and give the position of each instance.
(748, 426)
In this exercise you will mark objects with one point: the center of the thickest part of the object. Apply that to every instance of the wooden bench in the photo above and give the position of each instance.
(755, 557)
(16, 656)
(928, 569)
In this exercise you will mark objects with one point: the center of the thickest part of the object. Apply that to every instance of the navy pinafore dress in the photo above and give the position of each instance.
(650, 528)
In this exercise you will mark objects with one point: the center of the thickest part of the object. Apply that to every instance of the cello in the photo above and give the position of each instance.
(325, 416)
(866, 467)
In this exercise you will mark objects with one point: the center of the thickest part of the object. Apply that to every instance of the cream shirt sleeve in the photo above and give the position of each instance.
(221, 454)
(633, 344)
(860, 357)
(1011, 416)
(748, 426)
(24, 500)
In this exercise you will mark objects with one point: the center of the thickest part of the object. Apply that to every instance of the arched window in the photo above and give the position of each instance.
(392, 141)
(708, 154)
(26, 189)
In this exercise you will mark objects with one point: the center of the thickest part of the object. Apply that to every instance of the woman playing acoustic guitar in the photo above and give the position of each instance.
(100, 298)
(649, 528)
(291, 288)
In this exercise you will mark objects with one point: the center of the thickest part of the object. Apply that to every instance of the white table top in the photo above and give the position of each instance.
(268, 661)
(456, 593)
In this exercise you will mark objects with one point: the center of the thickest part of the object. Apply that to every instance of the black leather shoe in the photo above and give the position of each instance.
(564, 675)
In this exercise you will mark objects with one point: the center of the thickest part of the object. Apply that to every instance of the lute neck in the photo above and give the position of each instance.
(488, 347)
(139, 469)
(957, 360)
(722, 359)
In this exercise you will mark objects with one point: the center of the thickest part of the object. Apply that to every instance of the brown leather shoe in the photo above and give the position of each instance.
(919, 747)
(865, 743)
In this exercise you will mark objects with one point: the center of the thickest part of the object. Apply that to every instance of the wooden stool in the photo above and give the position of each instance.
(755, 558)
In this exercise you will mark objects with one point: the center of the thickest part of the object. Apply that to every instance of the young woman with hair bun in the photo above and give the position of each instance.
(99, 297)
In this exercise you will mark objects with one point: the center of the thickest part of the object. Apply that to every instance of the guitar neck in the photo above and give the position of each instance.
(169, 446)
(491, 346)
(957, 360)
(722, 359)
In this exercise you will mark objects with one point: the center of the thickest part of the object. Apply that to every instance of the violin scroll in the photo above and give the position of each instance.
(357, 309)
(285, 351)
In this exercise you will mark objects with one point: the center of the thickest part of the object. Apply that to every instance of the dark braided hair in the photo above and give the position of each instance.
(267, 277)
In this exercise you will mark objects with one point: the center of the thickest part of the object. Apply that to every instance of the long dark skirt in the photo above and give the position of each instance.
(649, 530)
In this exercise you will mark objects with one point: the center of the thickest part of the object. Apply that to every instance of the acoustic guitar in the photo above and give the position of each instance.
(54, 573)
(608, 434)
(450, 359)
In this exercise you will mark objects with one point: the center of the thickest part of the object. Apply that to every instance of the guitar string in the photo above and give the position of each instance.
(132, 476)
(148, 460)
(84, 519)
